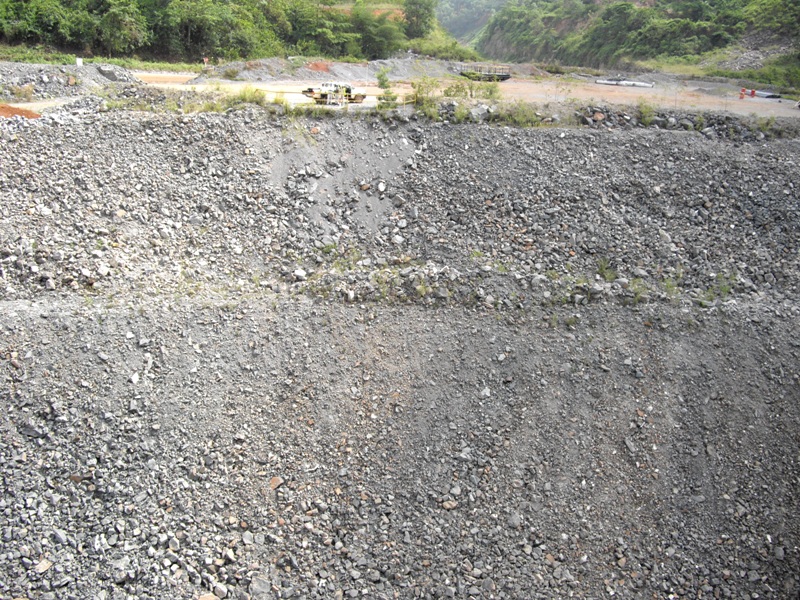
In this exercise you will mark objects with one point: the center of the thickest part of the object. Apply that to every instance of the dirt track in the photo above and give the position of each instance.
(675, 95)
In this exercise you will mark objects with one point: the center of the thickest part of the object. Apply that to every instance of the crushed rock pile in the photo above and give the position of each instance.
(20, 81)
(257, 356)
(406, 67)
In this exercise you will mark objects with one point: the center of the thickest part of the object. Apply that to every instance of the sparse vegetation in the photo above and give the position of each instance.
(639, 289)
(425, 96)
(462, 113)
(605, 271)
(247, 95)
(487, 90)
(518, 113)
(23, 93)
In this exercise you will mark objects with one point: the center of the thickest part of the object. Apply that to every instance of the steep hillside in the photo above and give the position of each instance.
(606, 33)
(466, 18)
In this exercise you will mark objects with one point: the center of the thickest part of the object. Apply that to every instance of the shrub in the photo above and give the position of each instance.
(519, 113)
(647, 113)
(248, 95)
(473, 89)
(605, 271)
(425, 96)
(459, 89)
(23, 92)
(462, 113)
(388, 99)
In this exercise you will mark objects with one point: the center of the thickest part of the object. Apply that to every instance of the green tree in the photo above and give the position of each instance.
(41, 21)
(379, 35)
(387, 99)
(420, 16)
(122, 28)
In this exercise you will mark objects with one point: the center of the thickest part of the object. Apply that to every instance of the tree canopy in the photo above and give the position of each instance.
(191, 29)
(420, 17)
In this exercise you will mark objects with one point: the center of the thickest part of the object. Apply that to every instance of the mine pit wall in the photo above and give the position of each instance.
(387, 357)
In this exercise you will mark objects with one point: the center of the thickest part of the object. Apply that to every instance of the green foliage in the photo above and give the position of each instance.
(518, 113)
(782, 16)
(248, 95)
(605, 271)
(34, 54)
(442, 47)
(425, 96)
(388, 99)
(419, 16)
(458, 89)
(122, 28)
(647, 113)
(465, 18)
(217, 29)
(473, 89)
(380, 36)
(462, 113)
(783, 72)
(603, 34)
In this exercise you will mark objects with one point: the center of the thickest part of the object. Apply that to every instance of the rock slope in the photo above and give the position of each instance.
(259, 356)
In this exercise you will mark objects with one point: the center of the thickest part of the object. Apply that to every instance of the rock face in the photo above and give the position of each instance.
(254, 356)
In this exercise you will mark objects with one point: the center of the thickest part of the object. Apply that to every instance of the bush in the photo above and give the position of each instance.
(388, 99)
(519, 113)
(462, 113)
(424, 91)
(248, 95)
(647, 113)
(473, 89)
(23, 93)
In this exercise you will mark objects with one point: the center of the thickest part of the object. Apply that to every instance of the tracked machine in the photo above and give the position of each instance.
(334, 92)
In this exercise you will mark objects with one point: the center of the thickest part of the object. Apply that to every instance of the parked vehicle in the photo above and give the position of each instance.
(335, 92)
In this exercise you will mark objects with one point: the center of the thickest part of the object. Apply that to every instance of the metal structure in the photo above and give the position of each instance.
(625, 83)
(335, 92)
(484, 71)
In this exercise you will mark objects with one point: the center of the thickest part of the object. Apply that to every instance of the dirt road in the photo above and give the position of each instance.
(690, 96)
(675, 95)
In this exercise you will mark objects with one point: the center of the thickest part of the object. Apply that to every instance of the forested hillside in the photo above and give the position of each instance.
(466, 18)
(190, 29)
(585, 32)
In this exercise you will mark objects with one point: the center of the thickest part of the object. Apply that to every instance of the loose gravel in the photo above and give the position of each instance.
(251, 355)
(20, 81)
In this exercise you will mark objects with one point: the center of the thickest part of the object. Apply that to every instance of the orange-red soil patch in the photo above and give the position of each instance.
(320, 66)
(12, 111)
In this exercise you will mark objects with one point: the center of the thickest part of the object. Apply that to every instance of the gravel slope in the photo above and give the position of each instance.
(255, 356)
